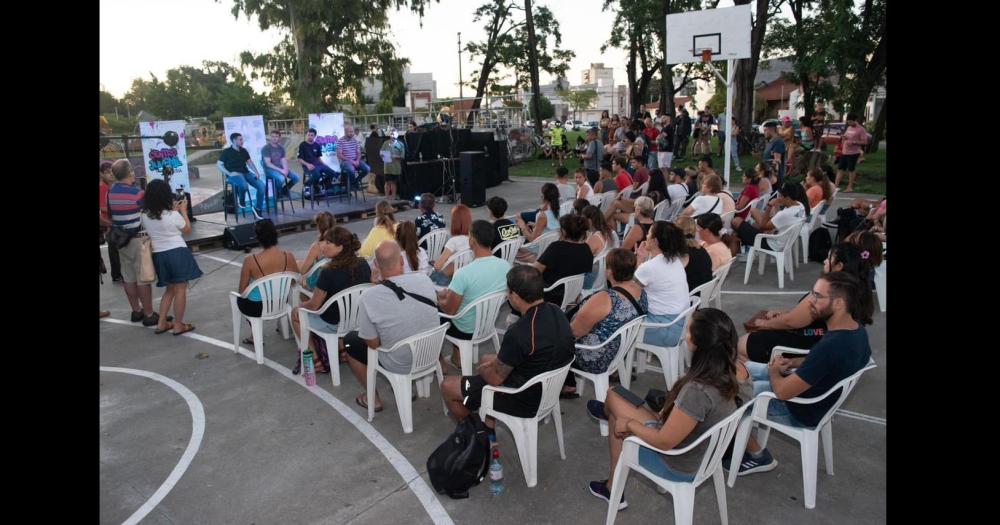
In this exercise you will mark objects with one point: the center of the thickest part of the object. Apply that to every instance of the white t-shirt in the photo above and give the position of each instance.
(707, 204)
(421, 261)
(665, 284)
(567, 192)
(782, 220)
(457, 244)
(677, 192)
(165, 232)
(589, 191)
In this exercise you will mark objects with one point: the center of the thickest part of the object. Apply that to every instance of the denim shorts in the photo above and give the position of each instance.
(652, 461)
(665, 337)
(315, 321)
(777, 410)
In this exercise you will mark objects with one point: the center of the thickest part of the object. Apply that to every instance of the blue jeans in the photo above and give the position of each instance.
(279, 179)
(356, 174)
(665, 337)
(315, 321)
(240, 182)
(653, 462)
(777, 410)
(651, 160)
(322, 173)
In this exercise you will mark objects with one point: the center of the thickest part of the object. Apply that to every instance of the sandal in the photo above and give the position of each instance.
(363, 404)
(159, 330)
(247, 340)
(186, 327)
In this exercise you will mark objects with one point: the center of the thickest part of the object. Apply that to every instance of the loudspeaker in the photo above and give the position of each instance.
(240, 236)
(472, 174)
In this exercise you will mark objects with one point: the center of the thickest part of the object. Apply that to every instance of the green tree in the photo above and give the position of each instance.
(329, 47)
(214, 90)
(744, 93)
(504, 52)
(545, 110)
(107, 102)
(804, 38)
(579, 99)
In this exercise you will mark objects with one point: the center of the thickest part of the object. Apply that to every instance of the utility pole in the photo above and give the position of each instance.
(459, 68)
(533, 67)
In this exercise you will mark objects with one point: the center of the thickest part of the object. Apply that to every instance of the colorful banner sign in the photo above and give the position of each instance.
(165, 152)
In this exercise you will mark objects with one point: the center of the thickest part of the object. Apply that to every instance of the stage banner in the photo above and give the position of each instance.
(166, 151)
(329, 128)
(254, 140)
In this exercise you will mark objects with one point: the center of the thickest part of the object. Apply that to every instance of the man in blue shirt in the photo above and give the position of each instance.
(235, 165)
(837, 298)
(774, 152)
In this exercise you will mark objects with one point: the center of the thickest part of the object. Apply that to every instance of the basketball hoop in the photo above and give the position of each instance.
(706, 55)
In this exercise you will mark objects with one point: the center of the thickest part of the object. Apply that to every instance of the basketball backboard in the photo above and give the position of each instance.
(726, 32)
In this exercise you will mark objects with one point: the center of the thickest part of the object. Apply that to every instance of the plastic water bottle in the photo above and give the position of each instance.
(308, 370)
(496, 474)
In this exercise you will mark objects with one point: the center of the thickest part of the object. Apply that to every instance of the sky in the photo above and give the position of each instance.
(207, 30)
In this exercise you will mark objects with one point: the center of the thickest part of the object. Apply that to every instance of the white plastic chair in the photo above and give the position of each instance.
(601, 281)
(348, 303)
(621, 363)
(459, 260)
(880, 281)
(525, 430)
(572, 287)
(815, 219)
(541, 242)
(487, 309)
(566, 208)
(669, 212)
(704, 290)
(276, 296)
(727, 221)
(671, 358)
(683, 492)
(299, 288)
(782, 258)
(720, 278)
(749, 205)
(426, 348)
(436, 240)
(607, 198)
(808, 438)
(508, 249)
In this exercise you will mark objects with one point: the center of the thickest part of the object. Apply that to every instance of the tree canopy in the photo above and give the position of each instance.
(213, 90)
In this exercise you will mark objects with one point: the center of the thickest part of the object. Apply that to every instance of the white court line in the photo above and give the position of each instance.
(406, 470)
(783, 292)
(220, 259)
(197, 431)
(862, 417)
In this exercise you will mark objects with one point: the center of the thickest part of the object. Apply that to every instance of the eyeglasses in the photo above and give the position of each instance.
(817, 296)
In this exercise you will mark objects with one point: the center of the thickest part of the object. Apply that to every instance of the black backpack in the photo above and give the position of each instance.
(462, 461)
(819, 244)
(848, 221)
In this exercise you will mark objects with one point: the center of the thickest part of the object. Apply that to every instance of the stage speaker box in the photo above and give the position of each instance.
(240, 236)
(472, 174)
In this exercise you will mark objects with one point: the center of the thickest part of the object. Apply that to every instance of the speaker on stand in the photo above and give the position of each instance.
(472, 170)
(240, 237)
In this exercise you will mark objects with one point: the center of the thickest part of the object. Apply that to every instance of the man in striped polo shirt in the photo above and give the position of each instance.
(349, 153)
(125, 202)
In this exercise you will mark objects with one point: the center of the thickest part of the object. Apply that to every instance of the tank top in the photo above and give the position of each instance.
(255, 293)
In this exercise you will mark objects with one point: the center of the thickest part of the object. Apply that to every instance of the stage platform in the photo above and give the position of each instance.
(207, 230)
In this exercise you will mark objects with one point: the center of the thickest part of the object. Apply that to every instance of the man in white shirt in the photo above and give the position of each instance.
(784, 211)
(567, 191)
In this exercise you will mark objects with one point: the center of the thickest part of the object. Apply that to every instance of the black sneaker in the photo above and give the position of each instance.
(596, 410)
(137, 316)
(154, 318)
(599, 489)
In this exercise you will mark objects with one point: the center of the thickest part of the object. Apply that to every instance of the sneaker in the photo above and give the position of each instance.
(151, 320)
(137, 316)
(596, 410)
(751, 465)
(600, 489)
(256, 214)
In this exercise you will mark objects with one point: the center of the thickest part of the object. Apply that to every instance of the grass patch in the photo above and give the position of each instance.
(871, 173)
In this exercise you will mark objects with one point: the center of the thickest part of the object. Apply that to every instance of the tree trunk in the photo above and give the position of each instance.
(879, 130)
(533, 66)
(307, 98)
(633, 88)
(746, 71)
(667, 93)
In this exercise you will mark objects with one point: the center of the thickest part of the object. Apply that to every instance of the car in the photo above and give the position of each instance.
(577, 125)
(592, 124)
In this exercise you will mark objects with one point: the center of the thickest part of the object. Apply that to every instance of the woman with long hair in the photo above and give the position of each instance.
(461, 221)
(751, 191)
(570, 255)
(268, 261)
(710, 234)
(705, 395)
(547, 218)
(384, 229)
(323, 220)
(798, 327)
(414, 257)
(697, 262)
(344, 270)
(166, 221)
(599, 232)
(661, 273)
(643, 222)
(818, 188)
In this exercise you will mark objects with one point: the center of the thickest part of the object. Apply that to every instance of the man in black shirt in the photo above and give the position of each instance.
(540, 341)
(683, 133)
(506, 229)
(310, 157)
(235, 165)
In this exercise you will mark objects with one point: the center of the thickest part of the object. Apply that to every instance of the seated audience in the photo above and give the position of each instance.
(641, 173)
(661, 273)
(567, 191)
(324, 220)
(389, 313)
(784, 211)
(414, 257)
(622, 177)
(607, 182)
(751, 191)
(705, 395)
(539, 341)
(461, 219)
(579, 205)
(710, 232)
(570, 255)
(384, 229)
(705, 167)
(818, 188)
(505, 228)
(697, 263)
(428, 220)
(344, 270)
(844, 303)
(712, 198)
(623, 206)
(270, 260)
(547, 220)
(643, 222)
(599, 233)
(604, 312)
(583, 189)
(800, 327)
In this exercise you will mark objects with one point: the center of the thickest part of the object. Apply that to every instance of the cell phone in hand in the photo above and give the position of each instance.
(629, 396)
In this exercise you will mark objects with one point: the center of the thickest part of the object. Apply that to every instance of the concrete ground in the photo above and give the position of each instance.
(273, 451)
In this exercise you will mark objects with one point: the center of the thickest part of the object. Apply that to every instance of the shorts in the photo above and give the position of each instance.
(848, 162)
(560, 147)
(455, 332)
(315, 321)
(174, 266)
(128, 256)
(524, 404)
(355, 347)
(664, 158)
(665, 337)
(761, 342)
(654, 461)
(391, 177)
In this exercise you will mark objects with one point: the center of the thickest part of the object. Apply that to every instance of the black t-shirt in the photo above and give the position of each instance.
(234, 160)
(506, 231)
(562, 259)
(665, 142)
(310, 152)
(338, 280)
(699, 268)
(540, 341)
(839, 354)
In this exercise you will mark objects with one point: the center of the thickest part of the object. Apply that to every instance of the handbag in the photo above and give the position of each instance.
(147, 272)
